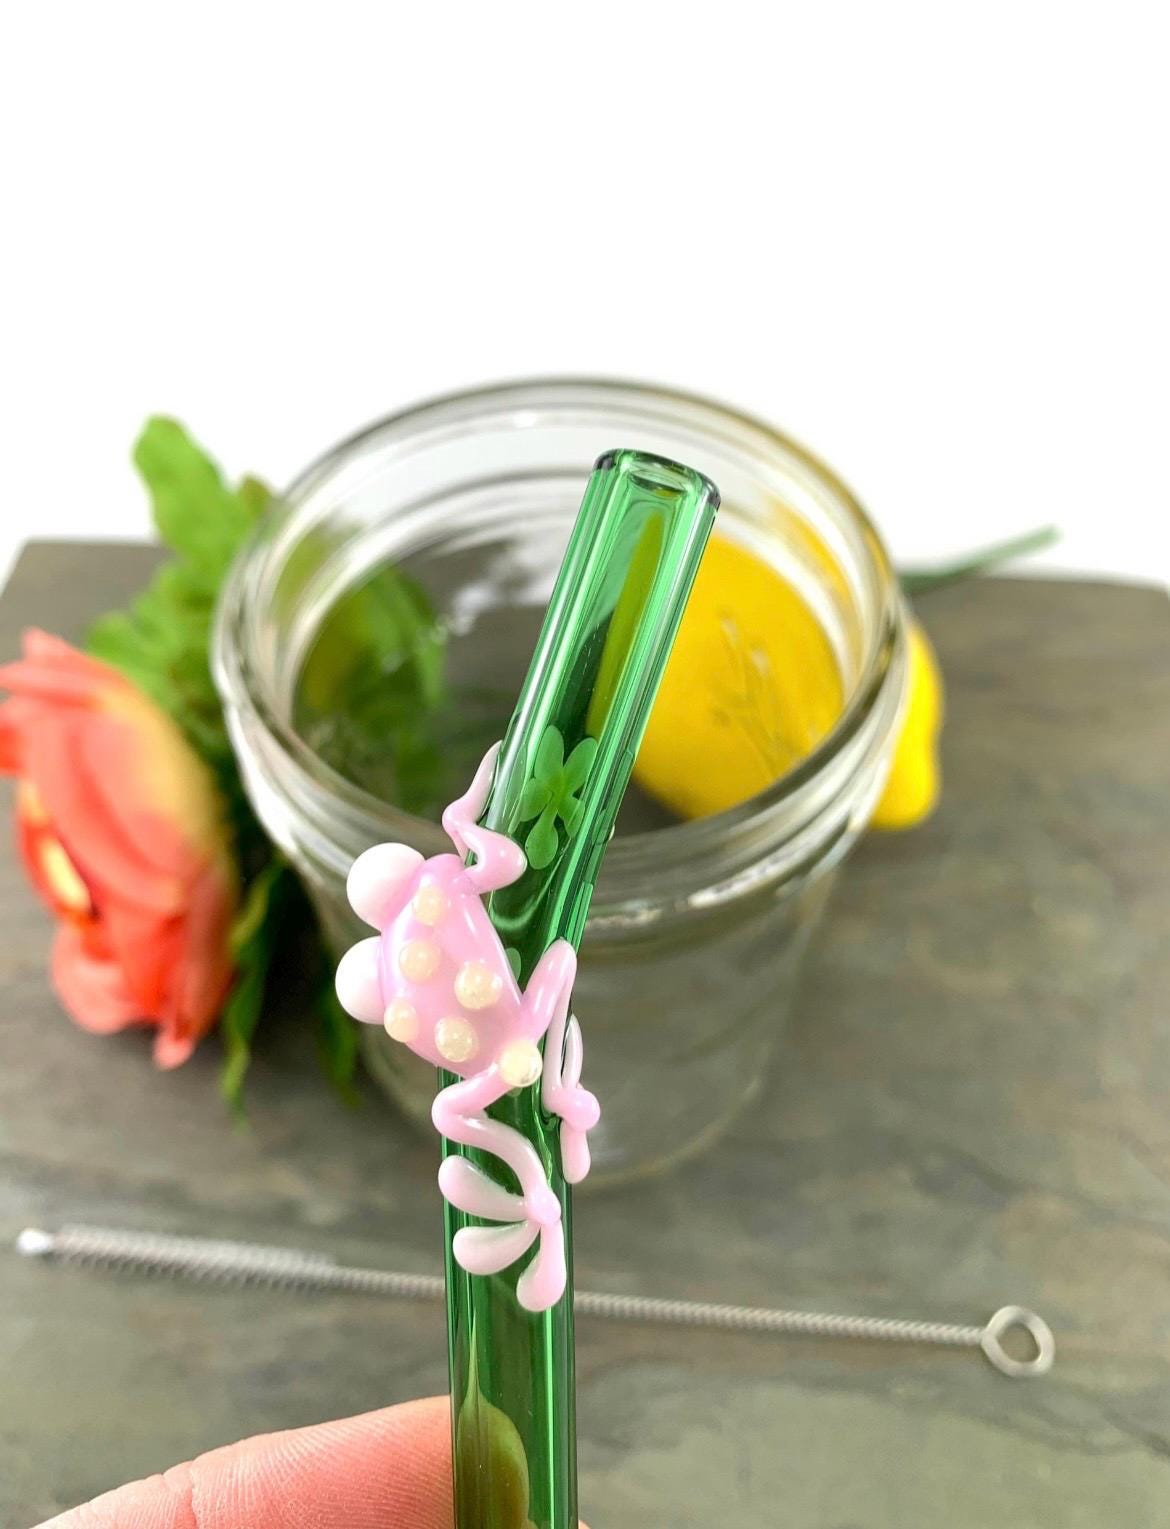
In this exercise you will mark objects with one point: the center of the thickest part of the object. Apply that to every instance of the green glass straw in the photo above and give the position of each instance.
(559, 780)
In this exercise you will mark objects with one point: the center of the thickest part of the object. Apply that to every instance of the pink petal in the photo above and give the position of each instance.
(12, 719)
(41, 682)
(108, 862)
(117, 772)
(54, 652)
(205, 972)
(172, 1050)
(91, 985)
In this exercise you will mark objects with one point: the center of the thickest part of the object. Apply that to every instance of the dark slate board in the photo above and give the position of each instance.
(973, 1107)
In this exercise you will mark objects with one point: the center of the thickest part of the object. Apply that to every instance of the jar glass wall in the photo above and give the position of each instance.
(691, 954)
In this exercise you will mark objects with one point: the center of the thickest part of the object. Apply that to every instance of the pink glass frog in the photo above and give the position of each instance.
(438, 977)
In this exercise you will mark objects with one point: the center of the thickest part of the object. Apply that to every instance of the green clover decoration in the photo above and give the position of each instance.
(551, 793)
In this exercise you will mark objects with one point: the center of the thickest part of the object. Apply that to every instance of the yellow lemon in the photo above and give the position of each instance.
(751, 689)
(913, 783)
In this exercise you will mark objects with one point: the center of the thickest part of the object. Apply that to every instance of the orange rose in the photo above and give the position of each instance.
(120, 826)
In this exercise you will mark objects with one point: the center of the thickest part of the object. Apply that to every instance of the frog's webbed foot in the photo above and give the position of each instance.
(562, 1094)
(459, 1112)
(546, 999)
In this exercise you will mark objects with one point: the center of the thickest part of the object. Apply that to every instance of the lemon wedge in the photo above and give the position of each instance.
(912, 786)
(751, 689)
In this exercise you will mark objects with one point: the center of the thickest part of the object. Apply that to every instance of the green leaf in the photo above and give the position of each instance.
(579, 763)
(372, 696)
(383, 638)
(255, 496)
(550, 754)
(254, 910)
(195, 513)
(921, 581)
(513, 956)
(542, 842)
(117, 639)
(161, 643)
(337, 1042)
(400, 608)
(253, 938)
(534, 799)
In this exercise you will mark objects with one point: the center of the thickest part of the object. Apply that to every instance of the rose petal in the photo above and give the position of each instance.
(54, 652)
(108, 862)
(147, 949)
(199, 972)
(12, 716)
(114, 796)
(117, 767)
(43, 682)
(206, 972)
(36, 643)
(172, 1050)
(90, 984)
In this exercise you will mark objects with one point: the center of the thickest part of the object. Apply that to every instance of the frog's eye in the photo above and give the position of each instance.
(377, 879)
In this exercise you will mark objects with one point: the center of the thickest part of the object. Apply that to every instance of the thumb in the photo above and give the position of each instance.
(384, 1470)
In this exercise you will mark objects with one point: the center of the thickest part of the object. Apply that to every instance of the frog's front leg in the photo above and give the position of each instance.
(499, 861)
(546, 1002)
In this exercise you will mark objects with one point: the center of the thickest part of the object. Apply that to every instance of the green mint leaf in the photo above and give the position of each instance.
(400, 613)
(337, 1042)
(253, 938)
(196, 514)
(372, 695)
(255, 497)
(921, 581)
(117, 639)
(162, 642)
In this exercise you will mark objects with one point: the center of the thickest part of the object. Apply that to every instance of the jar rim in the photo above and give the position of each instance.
(676, 844)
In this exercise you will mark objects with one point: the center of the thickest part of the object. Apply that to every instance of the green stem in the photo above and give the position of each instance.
(618, 600)
(922, 581)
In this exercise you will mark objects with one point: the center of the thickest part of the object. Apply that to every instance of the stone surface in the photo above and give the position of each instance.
(972, 1107)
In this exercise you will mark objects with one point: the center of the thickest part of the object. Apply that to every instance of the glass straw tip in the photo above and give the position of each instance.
(657, 473)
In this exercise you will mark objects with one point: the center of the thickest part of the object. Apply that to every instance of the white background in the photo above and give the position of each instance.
(929, 240)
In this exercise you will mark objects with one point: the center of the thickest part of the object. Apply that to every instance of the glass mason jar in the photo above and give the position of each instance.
(693, 943)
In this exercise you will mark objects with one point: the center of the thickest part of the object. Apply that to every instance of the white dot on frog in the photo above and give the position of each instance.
(520, 1064)
(477, 986)
(401, 1020)
(455, 1040)
(418, 960)
(429, 905)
